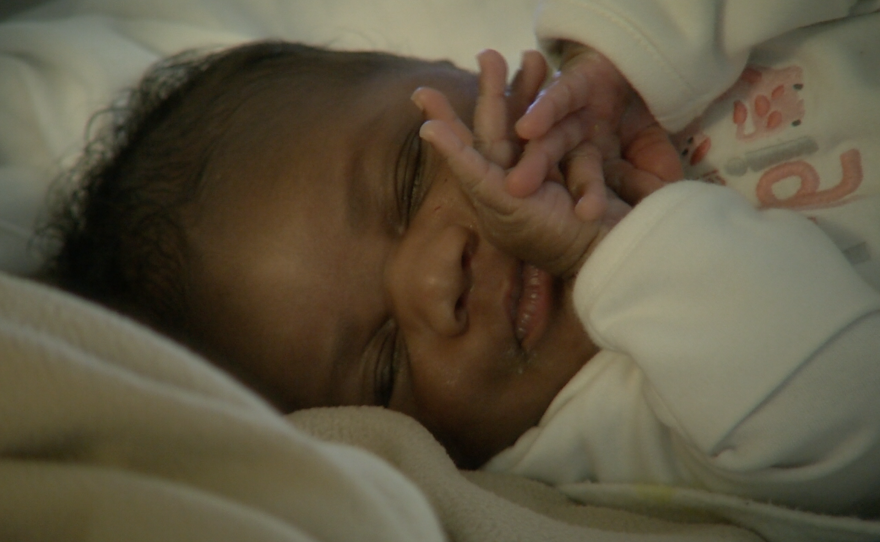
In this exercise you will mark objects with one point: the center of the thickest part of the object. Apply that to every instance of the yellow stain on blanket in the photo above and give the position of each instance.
(663, 498)
(657, 494)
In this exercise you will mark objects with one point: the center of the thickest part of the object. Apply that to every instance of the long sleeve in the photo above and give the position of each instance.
(699, 275)
(739, 356)
(740, 325)
(758, 340)
(682, 54)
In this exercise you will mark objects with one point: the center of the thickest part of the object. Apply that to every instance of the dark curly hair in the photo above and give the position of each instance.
(120, 234)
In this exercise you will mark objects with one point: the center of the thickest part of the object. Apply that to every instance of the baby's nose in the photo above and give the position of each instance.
(429, 280)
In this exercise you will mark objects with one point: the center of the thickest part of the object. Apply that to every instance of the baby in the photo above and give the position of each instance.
(275, 208)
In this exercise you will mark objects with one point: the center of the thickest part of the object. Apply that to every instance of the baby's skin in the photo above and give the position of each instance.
(549, 185)
(589, 99)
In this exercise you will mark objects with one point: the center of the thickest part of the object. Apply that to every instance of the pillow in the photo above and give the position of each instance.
(62, 61)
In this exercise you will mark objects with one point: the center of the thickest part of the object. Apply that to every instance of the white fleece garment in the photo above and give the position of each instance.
(757, 384)
(681, 54)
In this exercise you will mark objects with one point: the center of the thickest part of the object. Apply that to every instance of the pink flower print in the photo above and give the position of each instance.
(767, 101)
(692, 143)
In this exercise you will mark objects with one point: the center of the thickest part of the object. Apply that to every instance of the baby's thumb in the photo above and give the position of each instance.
(586, 182)
(631, 184)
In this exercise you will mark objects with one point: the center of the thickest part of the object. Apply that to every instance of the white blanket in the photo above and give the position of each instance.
(110, 432)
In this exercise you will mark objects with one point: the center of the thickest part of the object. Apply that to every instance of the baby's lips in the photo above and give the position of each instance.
(533, 306)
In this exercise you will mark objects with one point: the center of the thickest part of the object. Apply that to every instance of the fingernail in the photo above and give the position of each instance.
(426, 130)
(416, 100)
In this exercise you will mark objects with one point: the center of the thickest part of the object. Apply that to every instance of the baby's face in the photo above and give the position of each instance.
(348, 268)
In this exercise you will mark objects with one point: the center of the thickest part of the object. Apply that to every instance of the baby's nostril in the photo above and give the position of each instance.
(461, 308)
(461, 301)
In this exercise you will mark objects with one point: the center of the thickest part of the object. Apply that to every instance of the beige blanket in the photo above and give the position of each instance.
(110, 432)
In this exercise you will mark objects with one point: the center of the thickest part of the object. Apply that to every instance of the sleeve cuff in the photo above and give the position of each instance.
(717, 302)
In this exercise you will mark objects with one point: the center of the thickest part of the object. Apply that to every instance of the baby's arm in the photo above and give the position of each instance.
(759, 341)
(679, 56)
(557, 225)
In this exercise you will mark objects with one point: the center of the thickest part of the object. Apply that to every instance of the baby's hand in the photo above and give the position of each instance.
(541, 228)
(590, 100)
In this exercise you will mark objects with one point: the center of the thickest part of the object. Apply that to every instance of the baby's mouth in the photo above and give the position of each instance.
(531, 297)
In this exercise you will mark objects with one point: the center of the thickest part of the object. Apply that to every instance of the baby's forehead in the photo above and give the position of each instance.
(300, 113)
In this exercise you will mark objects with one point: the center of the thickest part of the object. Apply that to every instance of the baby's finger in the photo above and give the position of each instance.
(490, 116)
(652, 151)
(527, 83)
(541, 156)
(482, 179)
(586, 182)
(568, 93)
(630, 183)
(436, 106)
